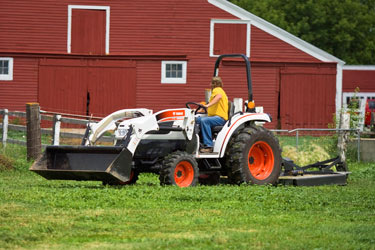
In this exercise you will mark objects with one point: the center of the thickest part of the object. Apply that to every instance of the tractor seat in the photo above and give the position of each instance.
(217, 129)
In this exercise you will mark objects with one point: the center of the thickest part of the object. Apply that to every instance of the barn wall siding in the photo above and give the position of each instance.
(355, 78)
(136, 27)
(265, 47)
(159, 27)
(146, 32)
(24, 86)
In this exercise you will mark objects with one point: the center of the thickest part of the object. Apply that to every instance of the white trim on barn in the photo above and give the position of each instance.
(359, 67)
(212, 30)
(339, 77)
(88, 7)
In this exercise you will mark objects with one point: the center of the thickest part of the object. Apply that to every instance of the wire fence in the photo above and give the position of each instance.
(301, 137)
(297, 137)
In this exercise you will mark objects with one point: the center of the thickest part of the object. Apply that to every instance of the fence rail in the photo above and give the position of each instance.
(54, 131)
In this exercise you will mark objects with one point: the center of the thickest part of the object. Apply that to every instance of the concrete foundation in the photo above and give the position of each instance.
(367, 149)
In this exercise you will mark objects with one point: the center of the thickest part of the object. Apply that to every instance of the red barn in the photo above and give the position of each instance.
(361, 77)
(95, 57)
(358, 82)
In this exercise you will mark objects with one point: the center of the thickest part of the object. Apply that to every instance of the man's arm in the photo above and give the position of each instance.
(214, 101)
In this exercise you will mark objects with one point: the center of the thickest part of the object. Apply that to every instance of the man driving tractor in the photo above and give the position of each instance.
(217, 113)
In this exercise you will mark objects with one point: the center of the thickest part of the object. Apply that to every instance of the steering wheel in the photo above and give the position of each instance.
(199, 106)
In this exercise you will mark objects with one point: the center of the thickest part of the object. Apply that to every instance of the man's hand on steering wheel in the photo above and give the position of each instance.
(201, 109)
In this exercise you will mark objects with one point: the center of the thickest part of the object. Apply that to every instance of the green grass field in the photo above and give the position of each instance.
(39, 214)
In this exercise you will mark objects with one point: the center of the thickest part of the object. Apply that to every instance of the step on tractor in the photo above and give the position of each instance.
(168, 142)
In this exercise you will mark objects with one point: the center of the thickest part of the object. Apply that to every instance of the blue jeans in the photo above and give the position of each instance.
(206, 123)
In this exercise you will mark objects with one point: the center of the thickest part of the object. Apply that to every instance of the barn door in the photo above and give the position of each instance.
(111, 86)
(307, 99)
(230, 38)
(88, 31)
(62, 85)
(85, 87)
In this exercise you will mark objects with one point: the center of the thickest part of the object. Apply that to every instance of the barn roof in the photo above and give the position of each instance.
(276, 31)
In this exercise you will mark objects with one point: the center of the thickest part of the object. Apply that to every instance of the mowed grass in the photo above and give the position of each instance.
(39, 214)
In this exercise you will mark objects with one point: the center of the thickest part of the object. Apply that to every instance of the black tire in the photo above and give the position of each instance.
(133, 179)
(254, 156)
(180, 169)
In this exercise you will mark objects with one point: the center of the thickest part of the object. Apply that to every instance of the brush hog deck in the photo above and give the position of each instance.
(84, 163)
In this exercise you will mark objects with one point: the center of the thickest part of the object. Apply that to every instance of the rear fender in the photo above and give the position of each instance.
(230, 127)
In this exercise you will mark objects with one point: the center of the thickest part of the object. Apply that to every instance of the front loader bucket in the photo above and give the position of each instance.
(84, 163)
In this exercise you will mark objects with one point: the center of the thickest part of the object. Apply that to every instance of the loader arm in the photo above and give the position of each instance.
(96, 130)
(138, 127)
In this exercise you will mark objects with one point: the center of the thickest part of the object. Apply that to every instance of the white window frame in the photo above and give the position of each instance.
(9, 76)
(180, 80)
(212, 30)
(88, 7)
(362, 96)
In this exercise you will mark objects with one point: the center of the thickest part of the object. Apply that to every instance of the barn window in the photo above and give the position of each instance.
(173, 71)
(230, 36)
(6, 69)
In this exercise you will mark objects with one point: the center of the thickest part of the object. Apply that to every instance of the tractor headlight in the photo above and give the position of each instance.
(122, 132)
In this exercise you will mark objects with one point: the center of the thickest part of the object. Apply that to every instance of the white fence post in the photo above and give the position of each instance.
(5, 127)
(343, 136)
(56, 129)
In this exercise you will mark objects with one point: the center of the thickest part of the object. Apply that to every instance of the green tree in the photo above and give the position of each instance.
(343, 28)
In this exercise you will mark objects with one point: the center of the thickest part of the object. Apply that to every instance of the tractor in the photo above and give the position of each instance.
(167, 143)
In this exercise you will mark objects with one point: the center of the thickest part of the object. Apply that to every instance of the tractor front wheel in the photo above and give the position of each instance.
(254, 156)
(179, 168)
(132, 180)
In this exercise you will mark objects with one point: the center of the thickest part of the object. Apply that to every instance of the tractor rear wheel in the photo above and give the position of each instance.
(254, 156)
(179, 168)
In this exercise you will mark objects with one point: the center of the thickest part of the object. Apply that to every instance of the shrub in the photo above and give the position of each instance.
(309, 154)
(6, 163)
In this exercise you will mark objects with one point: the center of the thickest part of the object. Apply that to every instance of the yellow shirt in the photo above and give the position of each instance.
(221, 107)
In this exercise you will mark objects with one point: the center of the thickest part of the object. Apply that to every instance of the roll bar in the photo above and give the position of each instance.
(248, 71)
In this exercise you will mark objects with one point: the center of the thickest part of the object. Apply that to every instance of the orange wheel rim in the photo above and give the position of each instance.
(184, 174)
(261, 160)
